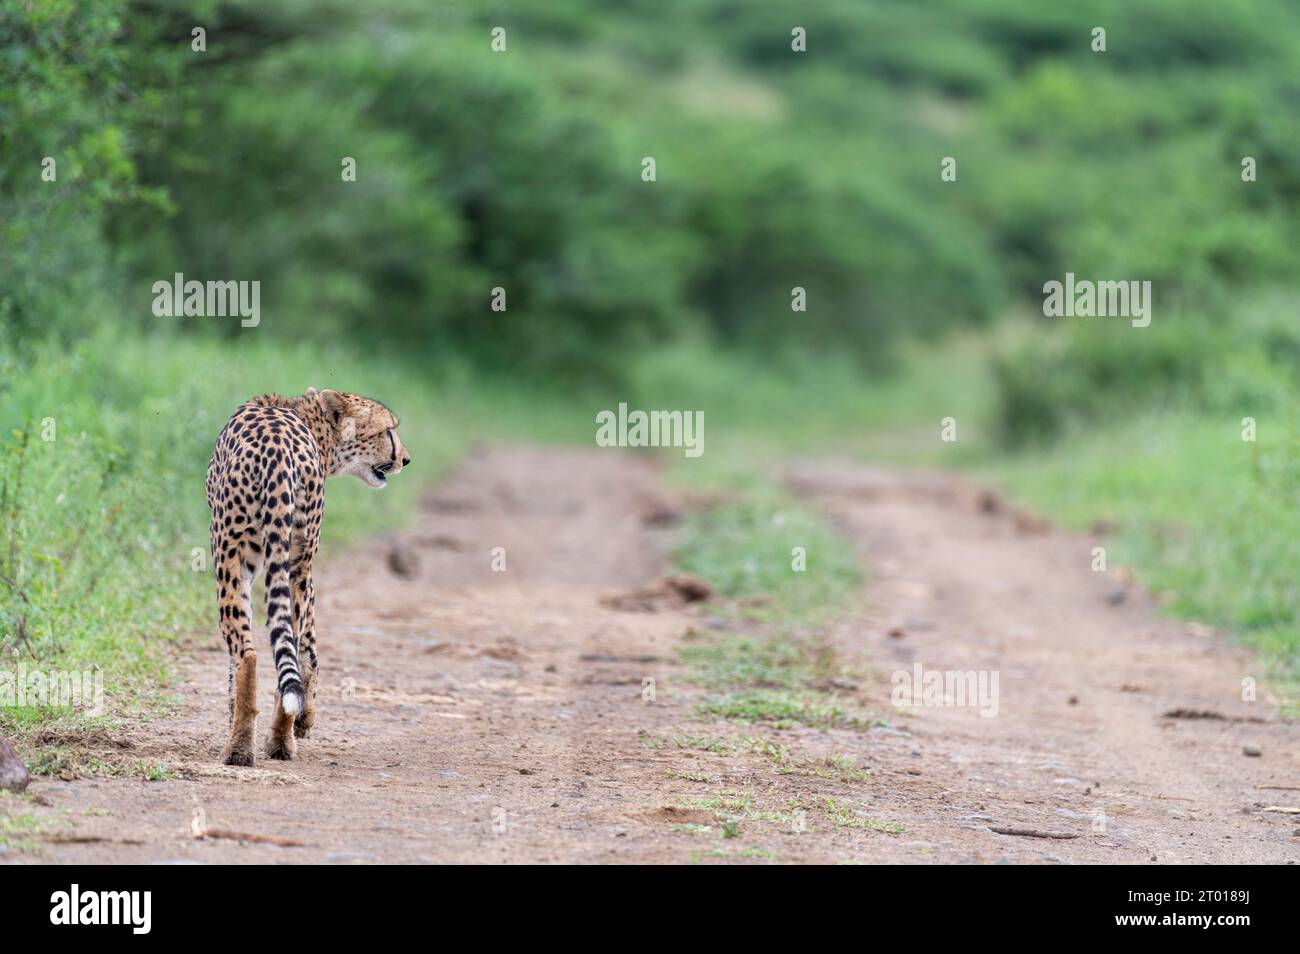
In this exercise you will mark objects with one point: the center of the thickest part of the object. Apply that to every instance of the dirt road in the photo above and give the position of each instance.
(477, 714)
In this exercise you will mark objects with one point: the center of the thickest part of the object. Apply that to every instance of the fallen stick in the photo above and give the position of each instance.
(1032, 833)
(1281, 788)
(256, 839)
(1211, 715)
(1283, 809)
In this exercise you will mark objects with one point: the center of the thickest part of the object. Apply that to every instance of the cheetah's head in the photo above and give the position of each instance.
(366, 441)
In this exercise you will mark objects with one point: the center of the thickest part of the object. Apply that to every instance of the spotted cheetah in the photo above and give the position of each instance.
(266, 493)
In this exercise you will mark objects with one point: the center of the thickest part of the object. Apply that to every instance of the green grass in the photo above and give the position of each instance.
(768, 662)
(845, 815)
(693, 828)
(80, 750)
(723, 804)
(688, 777)
(702, 743)
(764, 854)
(780, 670)
(843, 768)
(20, 831)
(780, 558)
(757, 414)
(784, 710)
(778, 674)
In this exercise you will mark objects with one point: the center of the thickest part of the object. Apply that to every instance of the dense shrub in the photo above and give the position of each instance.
(1244, 362)
(522, 170)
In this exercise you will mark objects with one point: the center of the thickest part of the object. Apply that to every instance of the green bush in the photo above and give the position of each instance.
(1089, 370)
(521, 170)
(70, 92)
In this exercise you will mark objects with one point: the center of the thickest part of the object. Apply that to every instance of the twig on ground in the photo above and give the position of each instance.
(256, 839)
(1032, 833)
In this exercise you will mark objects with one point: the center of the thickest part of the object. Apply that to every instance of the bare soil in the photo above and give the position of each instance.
(471, 714)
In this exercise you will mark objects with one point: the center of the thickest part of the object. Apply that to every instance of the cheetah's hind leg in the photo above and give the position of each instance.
(280, 743)
(307, 718)
(239, 750)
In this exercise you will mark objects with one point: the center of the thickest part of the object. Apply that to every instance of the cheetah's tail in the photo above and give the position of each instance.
(284, 640)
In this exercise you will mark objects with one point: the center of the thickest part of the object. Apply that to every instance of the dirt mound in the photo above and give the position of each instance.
(669, 592)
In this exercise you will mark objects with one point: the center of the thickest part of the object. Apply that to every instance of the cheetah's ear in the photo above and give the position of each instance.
(312, 392)
(335, 407)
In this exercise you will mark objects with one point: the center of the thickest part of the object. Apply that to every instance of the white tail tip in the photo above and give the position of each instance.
(291, 702)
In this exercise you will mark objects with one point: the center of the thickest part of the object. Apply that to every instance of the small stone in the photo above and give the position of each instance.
(403, 561)
(1254, 751)
(13, 770)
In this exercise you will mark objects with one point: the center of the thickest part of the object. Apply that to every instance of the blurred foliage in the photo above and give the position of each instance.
(73, 90)
(523, 169)
(1244, 361)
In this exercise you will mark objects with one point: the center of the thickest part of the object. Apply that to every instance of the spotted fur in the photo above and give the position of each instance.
(266, 492)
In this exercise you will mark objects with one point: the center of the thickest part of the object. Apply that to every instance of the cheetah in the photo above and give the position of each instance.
(266, 492)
